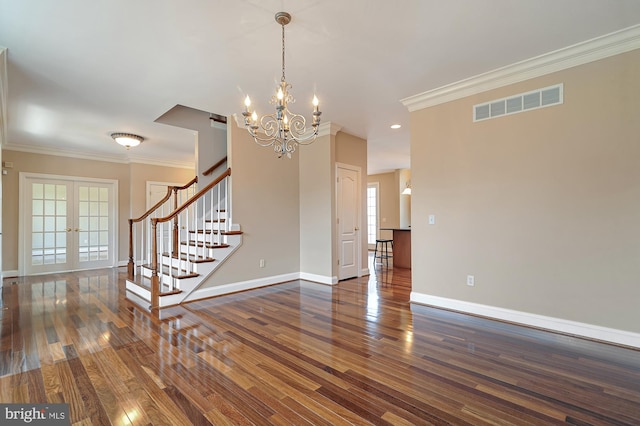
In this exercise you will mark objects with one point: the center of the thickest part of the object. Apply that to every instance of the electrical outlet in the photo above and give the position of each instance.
(471, 281)
(262, 263)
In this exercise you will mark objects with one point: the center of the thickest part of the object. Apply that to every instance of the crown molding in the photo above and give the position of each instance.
(597, 48)
(97, 157)
(328, 128)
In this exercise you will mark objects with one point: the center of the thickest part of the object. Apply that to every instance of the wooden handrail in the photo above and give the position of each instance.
(170, 189)
(193, 199)
(164, 199)
(215, 166)
(188, 184)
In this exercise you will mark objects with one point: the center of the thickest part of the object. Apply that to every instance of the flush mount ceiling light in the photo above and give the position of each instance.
(282, 129)
(127, 139)
(395, 126)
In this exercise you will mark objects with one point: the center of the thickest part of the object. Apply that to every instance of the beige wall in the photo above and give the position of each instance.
(388, 199)
(542, 207)
(266, 201)
(317, 207)
(130, 197)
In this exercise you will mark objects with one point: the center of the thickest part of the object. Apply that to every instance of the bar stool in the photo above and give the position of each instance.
(384, 251)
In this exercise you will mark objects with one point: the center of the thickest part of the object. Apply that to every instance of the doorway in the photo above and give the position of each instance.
(67, 223)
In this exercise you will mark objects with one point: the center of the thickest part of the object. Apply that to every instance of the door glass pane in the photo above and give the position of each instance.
(48, 220)
(49, 224)
(49, 207)
(50, 191)
(94, 242)
(37, 207)
(36, 224)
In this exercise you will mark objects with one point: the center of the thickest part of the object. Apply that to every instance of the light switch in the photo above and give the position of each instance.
(432, 219)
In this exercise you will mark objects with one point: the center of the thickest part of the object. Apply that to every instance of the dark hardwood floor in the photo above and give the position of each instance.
(298, 353)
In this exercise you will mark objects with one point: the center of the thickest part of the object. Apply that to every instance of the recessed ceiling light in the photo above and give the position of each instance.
(395, 126)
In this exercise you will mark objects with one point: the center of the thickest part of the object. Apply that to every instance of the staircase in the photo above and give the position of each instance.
(176, 245)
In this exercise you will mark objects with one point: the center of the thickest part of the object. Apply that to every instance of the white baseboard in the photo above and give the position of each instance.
(207, 292)
(322, 279)
(10, 274)
(590, 331)
(364, 272)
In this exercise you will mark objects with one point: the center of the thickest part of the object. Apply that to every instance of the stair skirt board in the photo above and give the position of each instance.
(220, 290)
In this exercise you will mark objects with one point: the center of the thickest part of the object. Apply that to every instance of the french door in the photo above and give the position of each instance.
(68, 223)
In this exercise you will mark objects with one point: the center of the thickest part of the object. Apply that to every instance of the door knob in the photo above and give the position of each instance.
(68, 229)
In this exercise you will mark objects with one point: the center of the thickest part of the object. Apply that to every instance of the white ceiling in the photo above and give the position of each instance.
(80, 70)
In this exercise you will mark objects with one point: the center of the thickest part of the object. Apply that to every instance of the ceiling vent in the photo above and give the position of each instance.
(541, 98)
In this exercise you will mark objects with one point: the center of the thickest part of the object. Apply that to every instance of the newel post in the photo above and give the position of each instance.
(175, 248)
(130, 265)
(155, 281)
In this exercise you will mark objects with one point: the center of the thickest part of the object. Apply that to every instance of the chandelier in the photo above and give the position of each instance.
(283, 129)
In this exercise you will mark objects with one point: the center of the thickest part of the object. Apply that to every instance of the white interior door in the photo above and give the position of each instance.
(348, 216)
(66, 224)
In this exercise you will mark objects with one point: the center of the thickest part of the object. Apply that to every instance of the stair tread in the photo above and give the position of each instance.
(145, 283)
(179, 274)
(205, 231)
(192, 258)
(201, 244)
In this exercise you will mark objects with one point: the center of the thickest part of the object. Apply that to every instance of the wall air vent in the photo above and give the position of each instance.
(541, 98)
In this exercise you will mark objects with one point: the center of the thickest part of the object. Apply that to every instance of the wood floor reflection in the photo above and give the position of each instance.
(297, 353)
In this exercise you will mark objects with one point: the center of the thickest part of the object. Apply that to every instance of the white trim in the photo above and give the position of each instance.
(597, 48)
(4, 96)
(322, 279)
(328, 128)
(364, 272)
(220, 290)
(10, 274)
(590, 331)
(98, 157)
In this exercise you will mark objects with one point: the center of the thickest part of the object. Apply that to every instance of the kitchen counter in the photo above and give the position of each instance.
(401, 247)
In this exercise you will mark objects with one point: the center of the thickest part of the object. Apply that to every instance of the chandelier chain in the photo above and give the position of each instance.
(282, 52)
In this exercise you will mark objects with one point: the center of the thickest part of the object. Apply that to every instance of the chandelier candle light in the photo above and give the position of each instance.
(282, 129)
